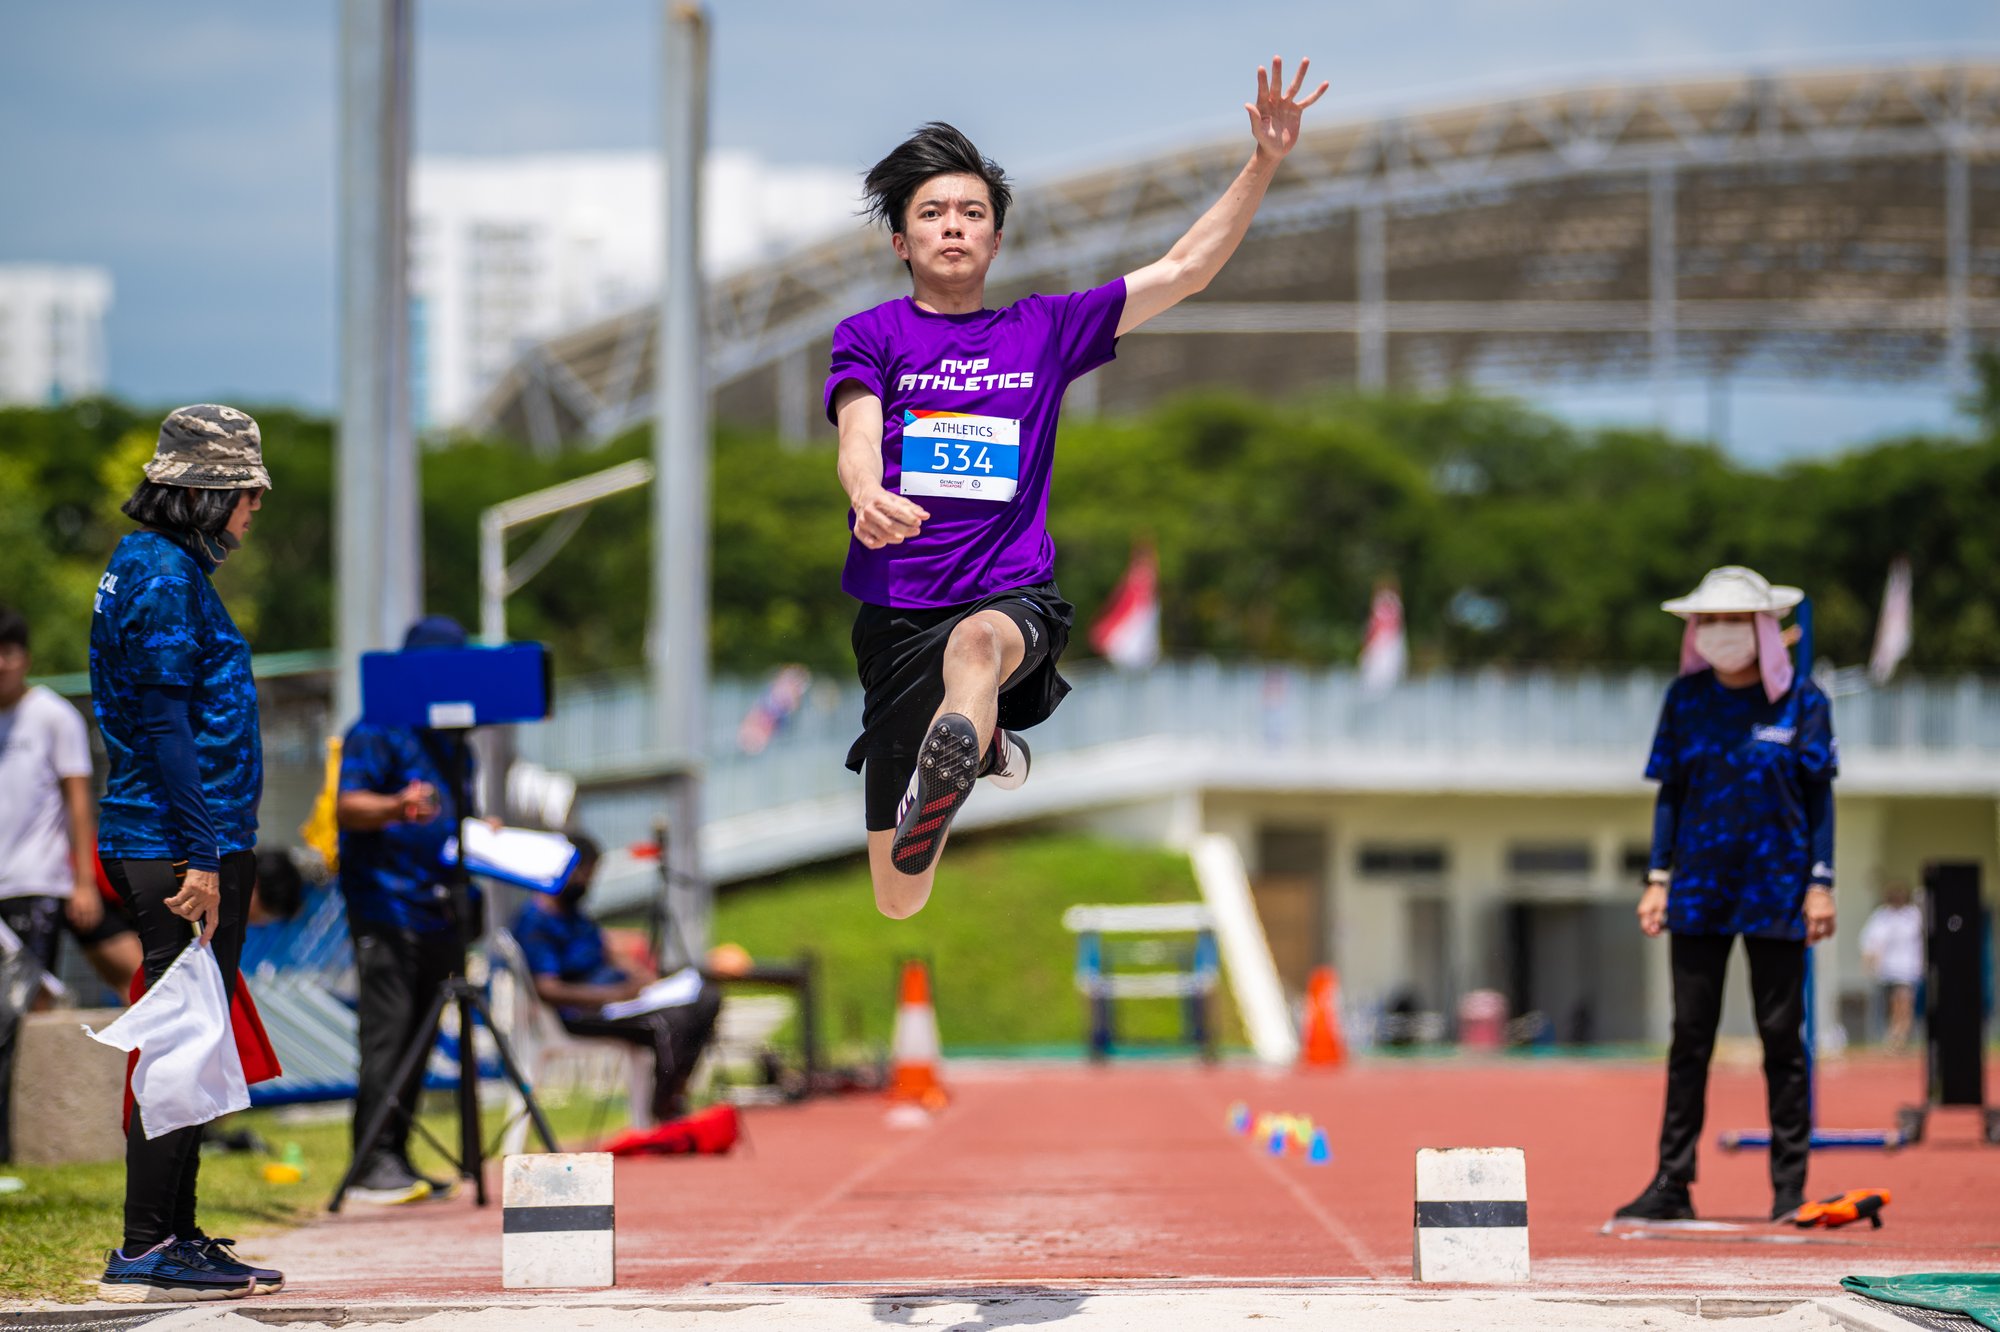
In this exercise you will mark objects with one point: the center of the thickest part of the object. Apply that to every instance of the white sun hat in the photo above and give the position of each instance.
(1733, 589)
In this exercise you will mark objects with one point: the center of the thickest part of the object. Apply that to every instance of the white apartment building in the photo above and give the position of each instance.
(507, 251)
(52, 332)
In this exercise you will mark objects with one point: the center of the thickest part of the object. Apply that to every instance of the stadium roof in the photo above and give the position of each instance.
(1825, 224)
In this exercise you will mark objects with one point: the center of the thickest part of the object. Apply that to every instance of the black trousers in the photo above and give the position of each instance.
(399, 972)
(1777, 991)
(37, 922)
(161, 1173)
(676, 1036)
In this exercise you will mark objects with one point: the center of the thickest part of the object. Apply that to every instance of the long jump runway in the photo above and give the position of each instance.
(1049, 1178)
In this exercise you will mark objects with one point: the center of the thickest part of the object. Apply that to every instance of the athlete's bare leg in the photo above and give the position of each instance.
(982, 652)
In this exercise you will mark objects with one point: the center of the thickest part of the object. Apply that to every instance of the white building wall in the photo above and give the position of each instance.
(1369, 918)
(52, 332)
(507, 251)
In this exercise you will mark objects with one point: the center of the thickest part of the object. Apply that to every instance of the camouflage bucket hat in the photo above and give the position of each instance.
(209, 447)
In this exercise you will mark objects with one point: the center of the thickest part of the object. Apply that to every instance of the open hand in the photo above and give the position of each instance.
(883, 519)
(1274, 116)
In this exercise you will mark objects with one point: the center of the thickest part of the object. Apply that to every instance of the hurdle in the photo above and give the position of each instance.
(1192, 968)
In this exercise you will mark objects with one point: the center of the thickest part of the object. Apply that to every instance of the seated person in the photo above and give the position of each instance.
(565, 951)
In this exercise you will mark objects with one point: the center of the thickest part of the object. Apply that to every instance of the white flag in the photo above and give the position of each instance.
(1383, 654)
(188, 1071)
(1893, 627)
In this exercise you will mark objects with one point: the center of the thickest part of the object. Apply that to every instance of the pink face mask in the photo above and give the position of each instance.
(1774, 661)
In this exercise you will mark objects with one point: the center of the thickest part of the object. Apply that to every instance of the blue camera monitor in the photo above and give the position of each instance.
(447, 688)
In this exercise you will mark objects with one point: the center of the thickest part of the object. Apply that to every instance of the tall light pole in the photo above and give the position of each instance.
(378, 548)
(678, 656)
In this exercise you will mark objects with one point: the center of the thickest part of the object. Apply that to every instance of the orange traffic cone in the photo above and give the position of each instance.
(914, 1074)
(1323, 1046)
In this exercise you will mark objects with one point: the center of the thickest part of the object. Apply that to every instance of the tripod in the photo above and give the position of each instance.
(460, 993)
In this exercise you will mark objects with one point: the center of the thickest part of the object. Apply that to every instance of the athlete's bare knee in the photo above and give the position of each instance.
(974, 642)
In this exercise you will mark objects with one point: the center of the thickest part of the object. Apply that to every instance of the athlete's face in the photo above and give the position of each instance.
(948, 234)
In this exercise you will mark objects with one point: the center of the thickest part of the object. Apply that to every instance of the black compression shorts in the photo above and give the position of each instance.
(899, 654)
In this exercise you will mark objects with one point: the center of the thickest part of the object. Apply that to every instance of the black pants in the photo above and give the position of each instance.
(676, 1036)
(161, 1173)
(400, 972)
(37, 922)
(1777, 991)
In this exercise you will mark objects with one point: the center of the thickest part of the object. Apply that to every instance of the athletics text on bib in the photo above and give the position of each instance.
(957, 453)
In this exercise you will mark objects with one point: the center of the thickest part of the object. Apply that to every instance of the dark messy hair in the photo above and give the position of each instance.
(935, 150)
(280, 886)
(13, 628)
(180, 508)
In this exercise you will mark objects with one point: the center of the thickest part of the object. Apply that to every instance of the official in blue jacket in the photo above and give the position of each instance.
(177, 826)
(1742, 846)
(396, 818)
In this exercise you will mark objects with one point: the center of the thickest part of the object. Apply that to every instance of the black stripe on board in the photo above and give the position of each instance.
(541, 1220)
(1453, 1214)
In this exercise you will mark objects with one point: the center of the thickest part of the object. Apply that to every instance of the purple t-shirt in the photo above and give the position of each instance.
(969, 407)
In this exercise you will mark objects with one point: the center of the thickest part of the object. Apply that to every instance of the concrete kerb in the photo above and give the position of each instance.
(1191, 1307)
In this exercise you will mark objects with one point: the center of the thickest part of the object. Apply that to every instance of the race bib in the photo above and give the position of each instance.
(956, 453)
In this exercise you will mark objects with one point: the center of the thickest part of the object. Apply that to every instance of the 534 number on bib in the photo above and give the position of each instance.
(959, 454)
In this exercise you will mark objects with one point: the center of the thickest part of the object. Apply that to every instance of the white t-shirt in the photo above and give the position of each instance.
(42, 740)
(1894, 937)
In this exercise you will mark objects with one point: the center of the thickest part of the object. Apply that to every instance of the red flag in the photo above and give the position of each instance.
(1383, 654)
(1128, 632)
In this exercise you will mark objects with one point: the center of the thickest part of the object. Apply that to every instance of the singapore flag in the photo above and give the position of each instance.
(1128, 633)
(1382, 649)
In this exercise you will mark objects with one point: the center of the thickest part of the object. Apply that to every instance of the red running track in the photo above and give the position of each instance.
(1066, 1174)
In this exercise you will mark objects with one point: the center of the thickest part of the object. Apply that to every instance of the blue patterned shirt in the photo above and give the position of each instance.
(566, 945)
(1745, 834)
(158, 620)
(396, 876)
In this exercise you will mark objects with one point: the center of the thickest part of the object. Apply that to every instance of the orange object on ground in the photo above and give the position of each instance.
(1323, 1046)
(1851, 1206)
(915, 1074)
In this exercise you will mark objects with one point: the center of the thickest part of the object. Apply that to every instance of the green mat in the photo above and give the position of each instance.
(1974, 1294)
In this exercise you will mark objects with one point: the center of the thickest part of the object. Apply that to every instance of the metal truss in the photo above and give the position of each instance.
(1817, 223)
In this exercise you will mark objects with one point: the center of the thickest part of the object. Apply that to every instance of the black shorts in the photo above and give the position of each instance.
(899, 654)
(42, 921)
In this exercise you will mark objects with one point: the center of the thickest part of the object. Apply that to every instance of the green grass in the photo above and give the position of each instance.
(58, 1226)
(1002, 966)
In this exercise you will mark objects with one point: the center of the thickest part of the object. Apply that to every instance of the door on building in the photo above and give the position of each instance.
(1581, 966)
(1289, 890)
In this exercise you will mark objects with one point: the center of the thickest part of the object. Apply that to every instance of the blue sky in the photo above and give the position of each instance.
(190, 146)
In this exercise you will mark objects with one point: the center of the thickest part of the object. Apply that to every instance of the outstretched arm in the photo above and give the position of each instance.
(1199, 255)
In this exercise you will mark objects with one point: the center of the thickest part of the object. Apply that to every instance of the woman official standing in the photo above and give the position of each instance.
(170, 683)
(1742, 845)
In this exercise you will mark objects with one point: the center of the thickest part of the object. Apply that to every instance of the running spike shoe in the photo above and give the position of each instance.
(947, 765)
(1006, 764)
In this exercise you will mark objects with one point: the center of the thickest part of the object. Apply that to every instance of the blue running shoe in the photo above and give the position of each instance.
(222, 1253)
(171, 1272)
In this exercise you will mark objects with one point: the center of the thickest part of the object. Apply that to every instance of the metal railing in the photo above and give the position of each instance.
(599, 729)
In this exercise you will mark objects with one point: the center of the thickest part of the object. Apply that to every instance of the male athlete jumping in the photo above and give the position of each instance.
(947, 417)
